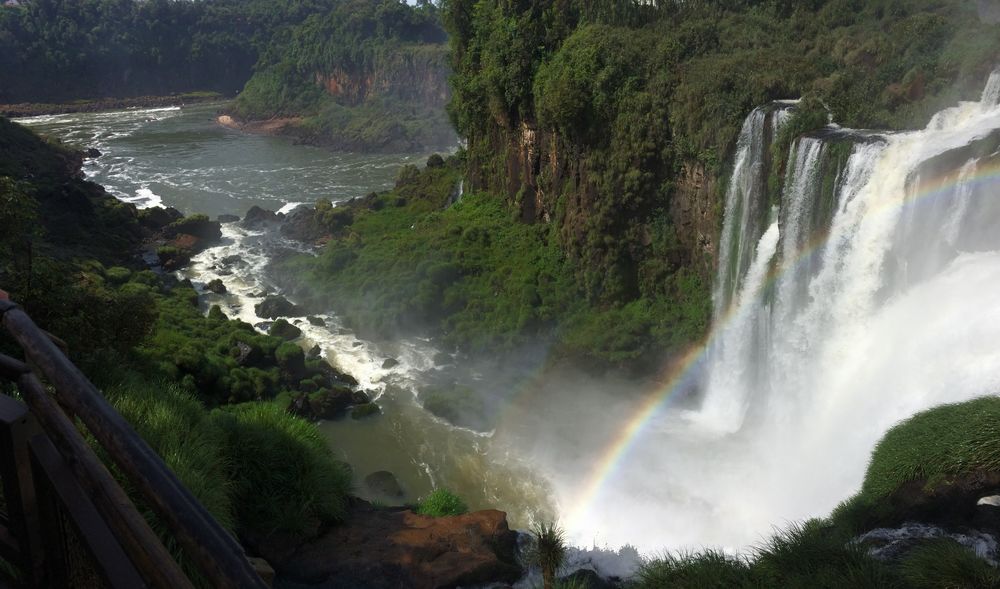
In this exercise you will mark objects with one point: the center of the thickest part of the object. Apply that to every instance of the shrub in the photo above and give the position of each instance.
(441, 503)
(710, 569)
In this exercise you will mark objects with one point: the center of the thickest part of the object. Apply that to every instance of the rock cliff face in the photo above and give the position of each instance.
(548, 179)
(419, 78)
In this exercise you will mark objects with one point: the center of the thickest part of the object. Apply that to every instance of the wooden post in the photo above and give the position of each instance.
(214, 551)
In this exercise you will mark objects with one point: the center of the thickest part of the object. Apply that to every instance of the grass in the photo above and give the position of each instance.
(440, 503)
(284, 476)
(944, 563)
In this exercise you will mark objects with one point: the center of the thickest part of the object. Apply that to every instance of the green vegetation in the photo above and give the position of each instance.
(102, 48)
(364, 75)
(932, 449)
(598, 118)
(171, 371)
(547, 551)
(480, 278)
(441, 503)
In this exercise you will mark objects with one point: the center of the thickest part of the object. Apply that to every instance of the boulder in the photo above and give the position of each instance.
(228, 218)
(258, 218)
(330, 404)
(365, 410)
(216, 286)
(390, 363)
(92, 153)
(388, 548)
(314, 352)
(230, 260)
(316, 321)
(275, 306)
(284, 330)
(301, 225)
(360, 398)
(157, 218)
(384, 482)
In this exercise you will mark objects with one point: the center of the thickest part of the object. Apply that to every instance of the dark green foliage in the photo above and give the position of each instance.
(205, 354)
(101, 48)
(944, 563)
(704, 570)
(284, 476)
(322, 70)
(932, 448)
(547, 551)
(484, 280)
(441, 503)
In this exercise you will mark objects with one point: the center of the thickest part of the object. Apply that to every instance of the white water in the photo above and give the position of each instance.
(882, 307)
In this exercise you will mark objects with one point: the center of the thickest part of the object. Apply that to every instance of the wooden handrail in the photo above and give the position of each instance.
(213, 550)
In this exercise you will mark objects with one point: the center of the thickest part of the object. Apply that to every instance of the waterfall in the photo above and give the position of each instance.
(746, 200)
(860, 292)
(991, 94)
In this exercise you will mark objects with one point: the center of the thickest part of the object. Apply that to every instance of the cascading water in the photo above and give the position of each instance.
(869, 294)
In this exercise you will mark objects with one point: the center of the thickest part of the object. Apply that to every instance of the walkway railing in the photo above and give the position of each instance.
(68, 522)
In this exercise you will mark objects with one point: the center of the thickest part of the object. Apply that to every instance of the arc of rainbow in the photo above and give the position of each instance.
(681, 373)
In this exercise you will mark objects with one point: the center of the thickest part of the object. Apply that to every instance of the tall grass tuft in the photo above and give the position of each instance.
(944, 563)
(441, 503)
(547, 551)
(710, 569)
(284, 477)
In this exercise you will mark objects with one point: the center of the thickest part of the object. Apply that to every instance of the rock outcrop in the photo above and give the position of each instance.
(275, 306)
(386, 548)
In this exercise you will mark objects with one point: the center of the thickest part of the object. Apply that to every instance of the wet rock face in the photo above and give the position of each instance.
(380, 548)
(258, 218)
(273, 307)
(301, 225)
(384, 482)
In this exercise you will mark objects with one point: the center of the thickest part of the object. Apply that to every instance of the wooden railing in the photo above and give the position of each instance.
(68, 522)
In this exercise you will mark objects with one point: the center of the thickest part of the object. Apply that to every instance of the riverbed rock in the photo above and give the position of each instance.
(275, 306)
(92, 153)
(385, 483)
(365, 410)
(360, 397)
(316, 321)
(284, 330)
(156, 218)
(258, 218)
(314, 352)
(301, 225)
(389, 548)
(231, 260)
(228, 218)
(216, 286)
(390, 363)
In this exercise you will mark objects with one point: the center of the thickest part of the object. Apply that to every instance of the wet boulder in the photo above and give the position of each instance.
(301, 225)
(316, 321)
(384, 483)
(365, 410)
(216, 286)
(390, 363)
(275, 306)
(284, 330)
(258, 218)
(314, 352)
(228, 218)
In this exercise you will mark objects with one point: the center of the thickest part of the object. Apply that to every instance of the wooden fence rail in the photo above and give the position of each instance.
(101, 509)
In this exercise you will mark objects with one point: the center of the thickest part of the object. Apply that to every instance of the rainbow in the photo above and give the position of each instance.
(682, 373)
